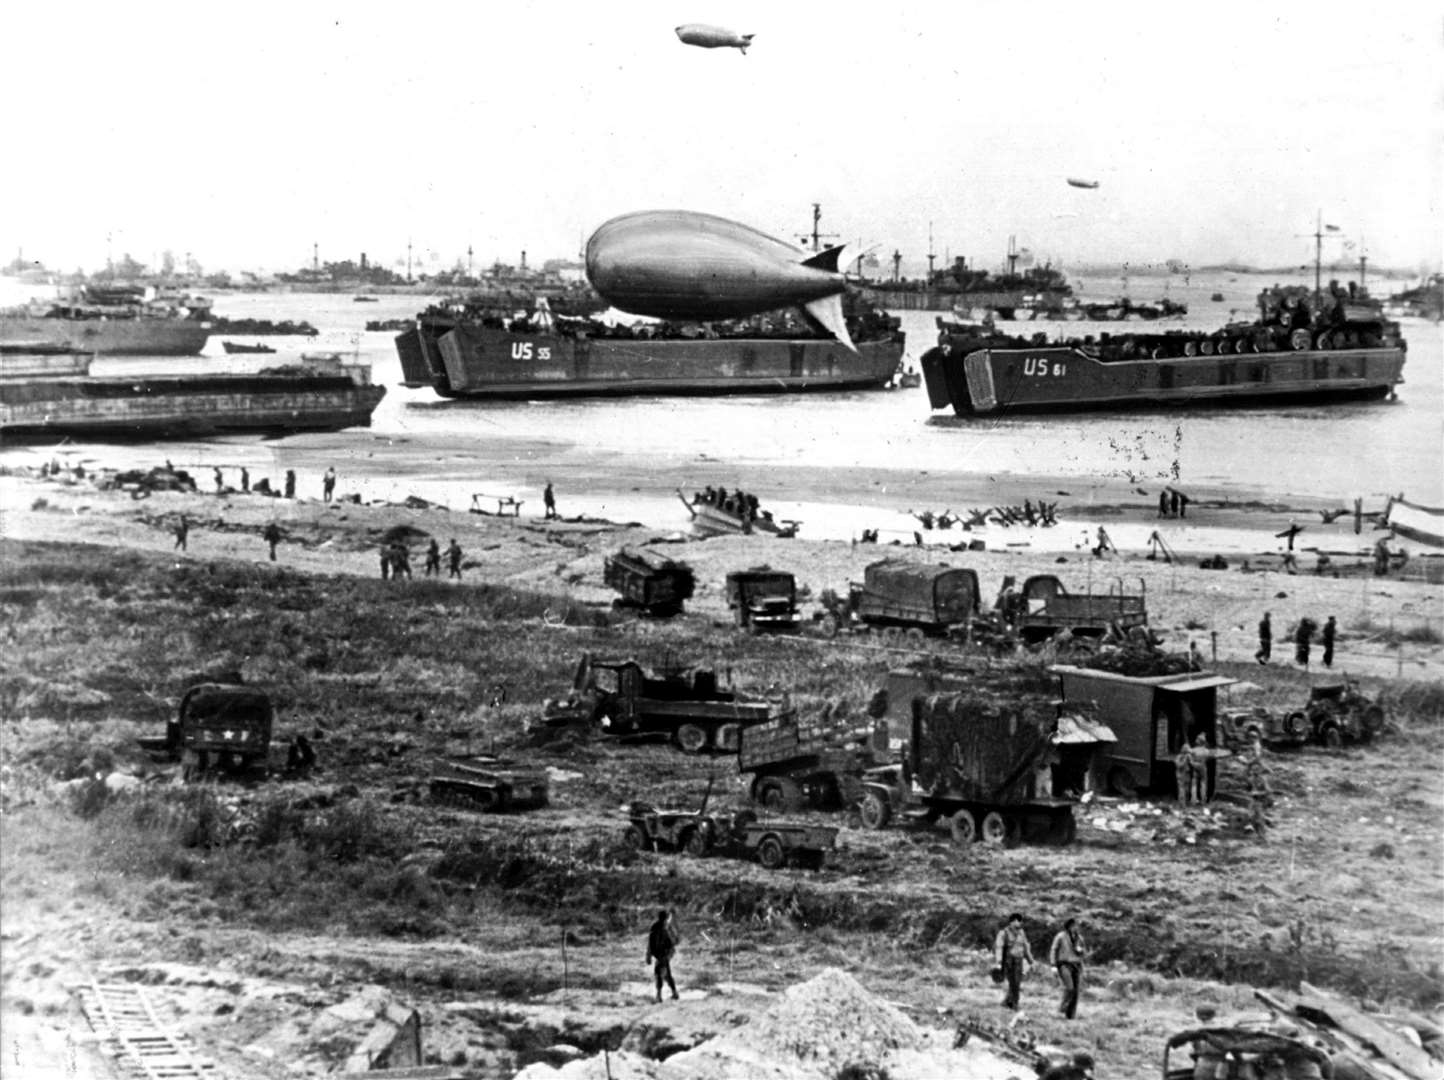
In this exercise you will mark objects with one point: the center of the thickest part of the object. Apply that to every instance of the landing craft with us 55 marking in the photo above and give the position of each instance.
(713, 37)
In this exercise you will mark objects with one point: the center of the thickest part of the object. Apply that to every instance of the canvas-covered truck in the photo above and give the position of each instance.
(897, 597)
(624, 699)
(1044, 607)
(1152, 716)
(221, 727)
(817, 760)
(1003, 768)
(648, 580)
(763, 599)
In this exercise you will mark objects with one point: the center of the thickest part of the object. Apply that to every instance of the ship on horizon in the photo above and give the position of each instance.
(110, 320)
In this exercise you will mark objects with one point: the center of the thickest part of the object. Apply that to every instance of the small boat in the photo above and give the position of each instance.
(1422, 524)
(1217, 298)
(237, 347)
(364, 300)
(723, 513)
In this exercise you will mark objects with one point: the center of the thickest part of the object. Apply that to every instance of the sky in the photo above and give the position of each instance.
(246, 133)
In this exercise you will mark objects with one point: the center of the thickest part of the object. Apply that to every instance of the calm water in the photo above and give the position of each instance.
(418, 443)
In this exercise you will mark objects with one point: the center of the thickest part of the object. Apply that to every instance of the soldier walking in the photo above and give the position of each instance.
(433, 559)
(271, 534)
(182, 530)
(1066, 956)
(1265, 640)
(290, 483)
(549, 500)
(1014, 955)
(1330, 629)
(328, 484)
(453, 556)
(661, 947)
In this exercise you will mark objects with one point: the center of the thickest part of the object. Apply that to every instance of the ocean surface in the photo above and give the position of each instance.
(421, 445)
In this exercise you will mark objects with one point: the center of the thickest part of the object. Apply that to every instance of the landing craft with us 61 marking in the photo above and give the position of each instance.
(679, 264)
(713, 37)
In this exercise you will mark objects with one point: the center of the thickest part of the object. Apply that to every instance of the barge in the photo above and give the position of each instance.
(111, 321)
(307, 397)
(461, 351)
(1348, 351)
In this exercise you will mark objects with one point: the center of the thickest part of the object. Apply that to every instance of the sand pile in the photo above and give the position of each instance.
(813, 1032)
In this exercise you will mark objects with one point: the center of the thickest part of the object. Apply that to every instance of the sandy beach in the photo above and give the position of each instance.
(1217, 610)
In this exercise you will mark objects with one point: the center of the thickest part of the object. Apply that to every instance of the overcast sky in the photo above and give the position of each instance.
(244, 132)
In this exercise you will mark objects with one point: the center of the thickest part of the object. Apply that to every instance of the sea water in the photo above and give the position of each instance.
(419, 444)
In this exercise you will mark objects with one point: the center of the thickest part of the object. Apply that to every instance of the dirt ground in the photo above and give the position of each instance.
(520, 938)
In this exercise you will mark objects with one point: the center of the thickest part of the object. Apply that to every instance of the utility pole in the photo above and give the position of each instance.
(896, 263)
(468, 261)
(408, 260)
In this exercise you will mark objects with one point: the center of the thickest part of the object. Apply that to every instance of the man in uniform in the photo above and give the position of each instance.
(433, 558)
(1066, 956)
(1014, 955)
(453, 555)
(1265, 640)
(328, 484)
(549, 501)
(661, 946)
(271, 534)
(183, 530)
(1330, 629)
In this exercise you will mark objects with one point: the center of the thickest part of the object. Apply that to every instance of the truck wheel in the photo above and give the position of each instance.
(891, 634)
(770, 853)
(1296, 724)
(829, 625)
(636, 839)
(962, 828)
(995, 828)
(698, 843)
(914, 634)
(1374, 719)
(692, 738)
(1120, 782)
(875, 811)
(1331, 736)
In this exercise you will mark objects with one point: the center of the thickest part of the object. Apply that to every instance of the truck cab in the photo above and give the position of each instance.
(763, 599)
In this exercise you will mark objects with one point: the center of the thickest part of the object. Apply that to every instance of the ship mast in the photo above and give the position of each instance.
(816, 236)
(931, 253)
(1318, 258)
(1012, 255)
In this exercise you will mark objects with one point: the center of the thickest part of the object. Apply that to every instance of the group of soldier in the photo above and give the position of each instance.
(1303, 638)
(396, 560)
(1043, 513)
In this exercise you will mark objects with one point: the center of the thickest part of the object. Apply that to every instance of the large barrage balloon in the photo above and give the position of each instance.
(678, 264)
(713, 37)
(1073, 181)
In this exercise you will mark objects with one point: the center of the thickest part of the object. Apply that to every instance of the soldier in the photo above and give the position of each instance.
(245, 479)
(1330, 629)
(433, 558)
(400, 562)
(1066, 956)
(1303, 639)
(453, 555)
(290, 483)
(328, 484)
(1183, 766)
(549, 501)
(1265, 640)
(182, 530)
(1014, 955)
(220, 480)
(1201, 756)
(661, 947)
(271, 534)
(386, 562)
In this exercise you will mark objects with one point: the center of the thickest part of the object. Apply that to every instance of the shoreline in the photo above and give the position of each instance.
(1218, 610)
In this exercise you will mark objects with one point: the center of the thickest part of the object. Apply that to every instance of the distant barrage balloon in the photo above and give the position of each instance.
(680, 264)
(713, 37)
(1075, 182)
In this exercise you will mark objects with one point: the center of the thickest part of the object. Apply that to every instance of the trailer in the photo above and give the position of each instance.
(1152, 716)
(649, 581)
(1044, 607)
(1001, 767)
(901, 598)
(739, 835)
(818, 761)
(624, 700)
(763, 599)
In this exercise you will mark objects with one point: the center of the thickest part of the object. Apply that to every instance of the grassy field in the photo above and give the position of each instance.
(355, 872)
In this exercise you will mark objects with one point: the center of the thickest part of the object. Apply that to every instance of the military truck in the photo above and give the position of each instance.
(649, 580)
(624, 699)
(1152, 716)
(818, 761)
(1044, 607)
(987, 763)
(220, 727)
(898, 597)
(763, 599)
(740, 835)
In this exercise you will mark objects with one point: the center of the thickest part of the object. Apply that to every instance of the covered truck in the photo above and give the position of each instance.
(1004, 767)
(901, 597)
(1152, 716)
(649, 580)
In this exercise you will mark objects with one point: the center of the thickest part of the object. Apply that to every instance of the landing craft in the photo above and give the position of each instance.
(1089, 184)
(678, 264)
(713, 37)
